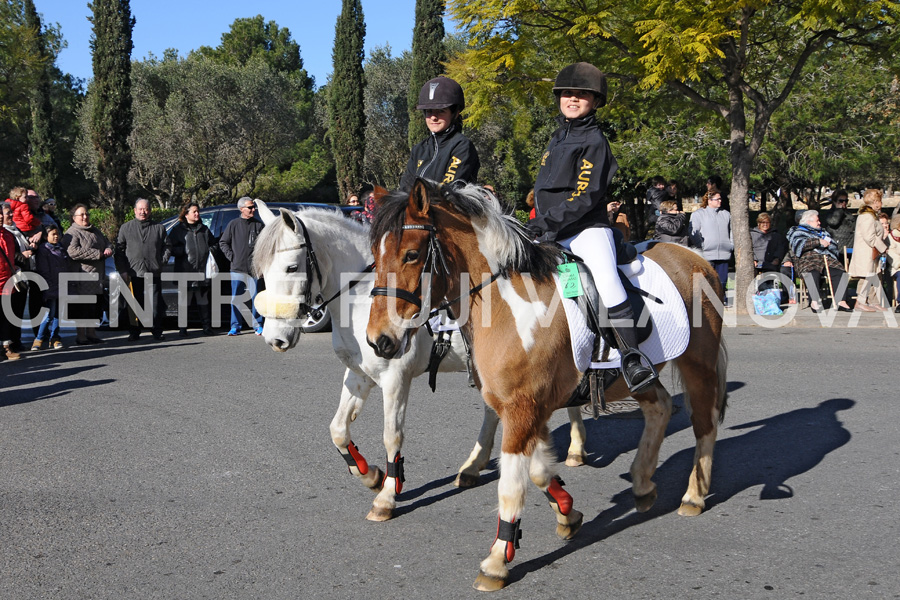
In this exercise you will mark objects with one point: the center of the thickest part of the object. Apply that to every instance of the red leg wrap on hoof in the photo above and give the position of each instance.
(561, 497)
(361, 463)
(509, 533)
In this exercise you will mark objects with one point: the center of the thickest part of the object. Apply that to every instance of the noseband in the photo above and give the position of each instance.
(435, 263)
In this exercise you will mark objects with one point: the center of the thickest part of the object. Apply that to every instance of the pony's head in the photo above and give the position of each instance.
(423, 240)
(294, 268)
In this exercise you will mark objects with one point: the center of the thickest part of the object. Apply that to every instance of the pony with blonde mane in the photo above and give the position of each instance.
(425, 240)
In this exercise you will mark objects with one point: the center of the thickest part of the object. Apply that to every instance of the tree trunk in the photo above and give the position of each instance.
(744, 269)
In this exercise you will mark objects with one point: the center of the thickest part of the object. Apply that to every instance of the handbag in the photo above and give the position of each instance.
(212, 267)
(20, 282)
(875, 253)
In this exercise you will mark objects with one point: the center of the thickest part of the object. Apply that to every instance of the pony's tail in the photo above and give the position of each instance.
(722, 377)
(721, 381)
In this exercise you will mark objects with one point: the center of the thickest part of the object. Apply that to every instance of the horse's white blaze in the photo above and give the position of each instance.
(527, 314)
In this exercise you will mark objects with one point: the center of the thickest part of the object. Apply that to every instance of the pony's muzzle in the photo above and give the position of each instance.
(385, 346)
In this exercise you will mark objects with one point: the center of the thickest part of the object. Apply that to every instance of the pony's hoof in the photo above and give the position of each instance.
(567, 531)
(689, 510)
(645, 502)
(374, 479)
(575, 460)
(464, 480)
(488, 583)
(380, 514)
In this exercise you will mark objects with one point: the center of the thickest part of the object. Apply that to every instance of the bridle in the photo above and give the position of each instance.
(312, 265)
(435, 264)
(304, 305)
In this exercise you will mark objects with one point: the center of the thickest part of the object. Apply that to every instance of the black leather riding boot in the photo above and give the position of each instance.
(638, 376)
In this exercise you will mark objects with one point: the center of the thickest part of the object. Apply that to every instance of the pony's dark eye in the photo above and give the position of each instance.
(292, 269)
(411, 256)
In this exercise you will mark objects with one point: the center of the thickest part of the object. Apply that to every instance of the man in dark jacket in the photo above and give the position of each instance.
(839, 221)
(141, 251)
(237, 244)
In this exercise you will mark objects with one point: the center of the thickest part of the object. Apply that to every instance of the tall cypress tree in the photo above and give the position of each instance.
(429, 55)
(44, 174)
(112, 117)
(345, 98)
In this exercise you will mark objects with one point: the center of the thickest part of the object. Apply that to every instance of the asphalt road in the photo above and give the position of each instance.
(203, 468)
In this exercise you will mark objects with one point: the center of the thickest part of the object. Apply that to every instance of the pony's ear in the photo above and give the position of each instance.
(290, 219)
(418, 198)
(265, 213)
(378, 193)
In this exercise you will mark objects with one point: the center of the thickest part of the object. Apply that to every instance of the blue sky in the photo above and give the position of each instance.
(189, 24)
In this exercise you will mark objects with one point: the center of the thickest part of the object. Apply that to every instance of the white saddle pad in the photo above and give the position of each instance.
(671, 329)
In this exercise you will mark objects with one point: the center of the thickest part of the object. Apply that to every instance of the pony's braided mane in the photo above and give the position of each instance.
(504, 241)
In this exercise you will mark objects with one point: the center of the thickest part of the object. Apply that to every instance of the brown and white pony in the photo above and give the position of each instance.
(426, 239)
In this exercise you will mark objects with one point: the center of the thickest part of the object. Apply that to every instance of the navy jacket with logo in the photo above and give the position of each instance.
(442, 157)
(570, 191)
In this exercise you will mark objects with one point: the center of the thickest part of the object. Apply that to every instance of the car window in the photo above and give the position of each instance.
(226, 216)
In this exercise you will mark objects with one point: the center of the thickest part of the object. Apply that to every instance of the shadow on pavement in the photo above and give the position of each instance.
(777, 449)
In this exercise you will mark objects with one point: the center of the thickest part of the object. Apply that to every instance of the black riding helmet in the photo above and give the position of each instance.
(582, 76)
(441, 92)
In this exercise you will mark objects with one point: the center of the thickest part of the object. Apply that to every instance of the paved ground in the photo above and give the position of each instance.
(203, 468)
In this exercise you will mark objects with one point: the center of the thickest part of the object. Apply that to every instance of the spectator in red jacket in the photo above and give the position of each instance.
(24, 204)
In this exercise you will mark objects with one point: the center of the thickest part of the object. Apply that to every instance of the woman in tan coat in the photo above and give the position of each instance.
(88, 248)
(868, 244)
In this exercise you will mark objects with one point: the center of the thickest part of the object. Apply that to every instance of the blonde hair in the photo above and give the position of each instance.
(16, 193)
(871, 195)
(667, 205)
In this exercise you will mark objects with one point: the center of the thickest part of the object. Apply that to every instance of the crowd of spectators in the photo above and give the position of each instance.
(32, 242)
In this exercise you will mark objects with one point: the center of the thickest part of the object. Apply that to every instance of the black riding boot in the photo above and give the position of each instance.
(638, 376)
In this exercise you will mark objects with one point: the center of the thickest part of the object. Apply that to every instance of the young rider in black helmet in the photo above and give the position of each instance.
(446, 155)
(570, 202)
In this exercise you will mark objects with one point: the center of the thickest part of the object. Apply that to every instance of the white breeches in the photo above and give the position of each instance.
(596, 248)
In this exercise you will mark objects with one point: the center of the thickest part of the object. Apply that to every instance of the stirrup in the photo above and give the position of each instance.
(642, 386)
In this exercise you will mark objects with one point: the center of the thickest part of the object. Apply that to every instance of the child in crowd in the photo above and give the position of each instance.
(671, 225)
(51, 261)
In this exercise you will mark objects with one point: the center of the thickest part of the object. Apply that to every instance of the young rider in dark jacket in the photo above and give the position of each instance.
(570, 202)
(446, 155)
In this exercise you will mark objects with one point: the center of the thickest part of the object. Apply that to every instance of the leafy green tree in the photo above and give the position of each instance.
(205, 129)
(111, 118)
(428, 59)
(345, 98)
(21, 68)
(387, 82)
(737, 61)
(44, 175)
(308, 161)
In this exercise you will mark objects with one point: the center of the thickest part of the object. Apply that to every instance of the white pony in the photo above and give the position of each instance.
(314, 254)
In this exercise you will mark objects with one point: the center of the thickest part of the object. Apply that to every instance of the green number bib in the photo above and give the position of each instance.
(570, 280)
